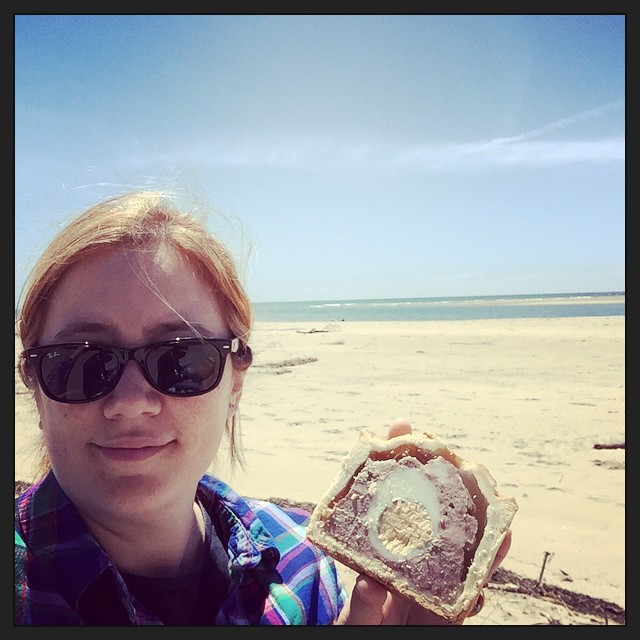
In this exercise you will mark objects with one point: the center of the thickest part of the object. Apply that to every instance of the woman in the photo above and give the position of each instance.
(135, 330)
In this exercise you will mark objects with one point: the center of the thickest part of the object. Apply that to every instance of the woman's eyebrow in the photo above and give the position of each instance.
(178, 326)
(82, 328)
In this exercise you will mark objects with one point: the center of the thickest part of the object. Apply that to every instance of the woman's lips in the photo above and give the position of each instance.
(131, 454)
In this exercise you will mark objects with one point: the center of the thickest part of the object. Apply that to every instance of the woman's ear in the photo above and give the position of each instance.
(236, 391)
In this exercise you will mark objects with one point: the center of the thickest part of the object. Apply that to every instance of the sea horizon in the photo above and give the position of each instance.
(549, 305)
(539, 305)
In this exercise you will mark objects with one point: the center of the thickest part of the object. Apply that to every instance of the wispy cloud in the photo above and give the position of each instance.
(362, 158)
(588, 114)
(520, 150)
(522, 153)
(536, 147)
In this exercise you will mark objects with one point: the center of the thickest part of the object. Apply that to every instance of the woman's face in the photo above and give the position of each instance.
(136, 449)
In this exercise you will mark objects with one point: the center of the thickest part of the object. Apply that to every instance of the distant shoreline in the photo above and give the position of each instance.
(618, 296)
(578, 299)
(600, 297)
(451, 308)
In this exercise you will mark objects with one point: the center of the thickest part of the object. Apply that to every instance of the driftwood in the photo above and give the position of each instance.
(326, 329)
(614, 445)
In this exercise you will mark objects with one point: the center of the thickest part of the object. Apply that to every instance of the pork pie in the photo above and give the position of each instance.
(416, 517)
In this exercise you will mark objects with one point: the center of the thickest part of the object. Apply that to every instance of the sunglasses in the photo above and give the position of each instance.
(79, 372)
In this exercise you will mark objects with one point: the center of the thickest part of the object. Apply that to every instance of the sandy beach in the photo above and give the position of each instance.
(529, 398)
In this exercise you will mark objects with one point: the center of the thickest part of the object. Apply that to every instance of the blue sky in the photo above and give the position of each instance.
(342, 156)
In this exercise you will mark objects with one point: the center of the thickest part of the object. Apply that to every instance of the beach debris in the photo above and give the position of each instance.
(505, 580)
(326, 329)
(21, 486)
(284, 366)
(610, 464)
(605, 445)
(547, 557)
(290, 362)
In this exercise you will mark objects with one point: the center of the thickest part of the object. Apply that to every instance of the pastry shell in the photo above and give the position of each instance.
(418, 518)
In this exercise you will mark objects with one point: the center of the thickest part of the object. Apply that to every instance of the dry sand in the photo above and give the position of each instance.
(529, 398)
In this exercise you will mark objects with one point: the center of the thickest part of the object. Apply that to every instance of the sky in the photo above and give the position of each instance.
(340, 156)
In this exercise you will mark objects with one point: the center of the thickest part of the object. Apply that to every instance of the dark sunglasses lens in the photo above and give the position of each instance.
(79, 373)
(184, 369)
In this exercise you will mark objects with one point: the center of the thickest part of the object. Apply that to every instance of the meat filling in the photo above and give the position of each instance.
(417, 518)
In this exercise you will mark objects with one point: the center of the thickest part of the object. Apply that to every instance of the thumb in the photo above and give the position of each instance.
(398, 427)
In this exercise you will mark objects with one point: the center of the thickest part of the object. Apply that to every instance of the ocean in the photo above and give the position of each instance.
(553, 305)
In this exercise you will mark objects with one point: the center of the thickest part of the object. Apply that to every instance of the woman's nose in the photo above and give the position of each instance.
(133, 395)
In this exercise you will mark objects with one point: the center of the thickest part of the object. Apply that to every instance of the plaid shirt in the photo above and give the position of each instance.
(277, 576)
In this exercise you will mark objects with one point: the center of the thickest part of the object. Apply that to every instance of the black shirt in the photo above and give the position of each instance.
(188, 599)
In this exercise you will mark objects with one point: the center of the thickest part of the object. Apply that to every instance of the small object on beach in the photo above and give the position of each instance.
(615, 445)
(326, 329)
(565, 576)
(547, 556)
(416, 517)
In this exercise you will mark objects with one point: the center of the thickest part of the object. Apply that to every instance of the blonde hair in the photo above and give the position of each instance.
(134, 220)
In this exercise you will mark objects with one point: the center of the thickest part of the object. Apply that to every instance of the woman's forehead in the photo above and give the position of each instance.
(137, 291)
(146, 263)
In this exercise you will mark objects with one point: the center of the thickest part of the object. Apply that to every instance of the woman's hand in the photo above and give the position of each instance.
(372, 603)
